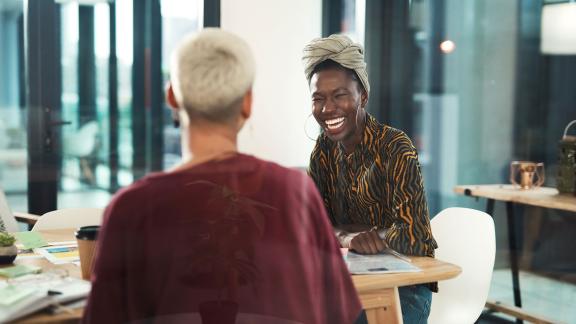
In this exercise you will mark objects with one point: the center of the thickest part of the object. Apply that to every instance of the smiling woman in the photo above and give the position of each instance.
(368, 173)
(337, 98)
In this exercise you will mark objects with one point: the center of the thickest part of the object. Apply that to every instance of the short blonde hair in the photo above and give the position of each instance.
(211, 72)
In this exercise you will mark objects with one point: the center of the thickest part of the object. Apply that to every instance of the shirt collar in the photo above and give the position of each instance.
(366, 146)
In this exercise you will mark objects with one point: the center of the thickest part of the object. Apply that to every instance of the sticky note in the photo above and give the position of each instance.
(30, 240)
(19, 270)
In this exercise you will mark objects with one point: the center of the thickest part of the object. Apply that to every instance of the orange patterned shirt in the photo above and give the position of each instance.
(379, 184)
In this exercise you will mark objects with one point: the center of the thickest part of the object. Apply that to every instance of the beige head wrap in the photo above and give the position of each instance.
(340, 49)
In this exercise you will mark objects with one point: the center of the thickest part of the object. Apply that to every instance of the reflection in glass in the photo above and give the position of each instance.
(13, 139)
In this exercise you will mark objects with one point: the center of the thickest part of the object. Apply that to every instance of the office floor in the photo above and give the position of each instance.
(552, 298)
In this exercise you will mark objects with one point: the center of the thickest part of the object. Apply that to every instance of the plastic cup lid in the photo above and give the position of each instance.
(88, 232)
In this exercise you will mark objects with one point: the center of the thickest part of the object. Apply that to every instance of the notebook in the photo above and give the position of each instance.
(378, 263)
(27, 294)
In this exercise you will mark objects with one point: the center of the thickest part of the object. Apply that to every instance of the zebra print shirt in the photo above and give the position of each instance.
(379, 184)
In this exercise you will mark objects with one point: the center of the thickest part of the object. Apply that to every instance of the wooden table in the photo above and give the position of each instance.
(72, 269)
(378, 293)
(540, 197)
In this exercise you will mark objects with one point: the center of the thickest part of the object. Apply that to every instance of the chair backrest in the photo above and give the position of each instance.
(466, 238)
(69, 218)
(7, 221)
(83, 142)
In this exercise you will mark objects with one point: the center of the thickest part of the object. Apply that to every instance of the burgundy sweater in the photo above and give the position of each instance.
(239, 229)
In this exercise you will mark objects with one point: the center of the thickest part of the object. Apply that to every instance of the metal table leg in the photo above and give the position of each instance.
(513, 255)
(490, 207)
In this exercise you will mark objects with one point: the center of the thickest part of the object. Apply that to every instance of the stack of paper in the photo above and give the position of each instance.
(55, 252)
(378, 263)
(30, 293)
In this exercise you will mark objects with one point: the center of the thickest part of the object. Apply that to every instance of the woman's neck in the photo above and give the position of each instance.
(207, 142)
(350, 144)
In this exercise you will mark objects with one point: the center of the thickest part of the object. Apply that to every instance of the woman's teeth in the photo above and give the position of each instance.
(334, 123)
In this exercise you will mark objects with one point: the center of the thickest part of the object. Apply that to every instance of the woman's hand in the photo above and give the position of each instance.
(365, 242)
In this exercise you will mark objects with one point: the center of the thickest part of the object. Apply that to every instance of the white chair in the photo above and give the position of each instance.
(84, 145)
(466, 238)
(69, 218)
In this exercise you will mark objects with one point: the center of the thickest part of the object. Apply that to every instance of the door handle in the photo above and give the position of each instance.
(48, 143)
(59, 123)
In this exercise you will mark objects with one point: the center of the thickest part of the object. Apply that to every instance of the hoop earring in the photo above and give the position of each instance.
(356, 117)
(175, 119)
(306, 128)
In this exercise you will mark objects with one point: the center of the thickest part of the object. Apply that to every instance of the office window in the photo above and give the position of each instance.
(94, 139)
(178, 20)
(13, 121)
(467, 81)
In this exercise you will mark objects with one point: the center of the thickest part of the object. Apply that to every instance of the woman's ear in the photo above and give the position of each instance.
(363, 99)
(170, 97)
(247, 105)
(173, 104)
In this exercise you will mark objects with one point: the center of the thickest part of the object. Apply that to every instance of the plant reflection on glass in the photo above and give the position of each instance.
(223, 242)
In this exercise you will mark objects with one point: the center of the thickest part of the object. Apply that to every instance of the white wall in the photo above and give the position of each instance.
(277, 31)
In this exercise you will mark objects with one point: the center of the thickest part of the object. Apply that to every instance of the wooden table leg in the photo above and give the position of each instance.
(382, 306)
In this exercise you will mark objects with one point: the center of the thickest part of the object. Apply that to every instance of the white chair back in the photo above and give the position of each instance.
(466, 238)
(69, 218)
(83, 142)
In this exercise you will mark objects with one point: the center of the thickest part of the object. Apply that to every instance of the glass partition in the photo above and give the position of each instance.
(13, 119)
(92, 129)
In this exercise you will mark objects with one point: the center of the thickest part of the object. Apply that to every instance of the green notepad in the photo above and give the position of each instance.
(30, 240)
(19, 270)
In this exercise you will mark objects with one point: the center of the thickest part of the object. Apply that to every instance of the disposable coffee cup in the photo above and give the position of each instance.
(86, 237)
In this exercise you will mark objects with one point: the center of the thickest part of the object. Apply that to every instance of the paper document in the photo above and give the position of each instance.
(60, 254)
(378, 263)
(397, 254)
(28, 254)
(31, 293)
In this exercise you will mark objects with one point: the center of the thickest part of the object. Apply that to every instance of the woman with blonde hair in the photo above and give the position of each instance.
(223, 235)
